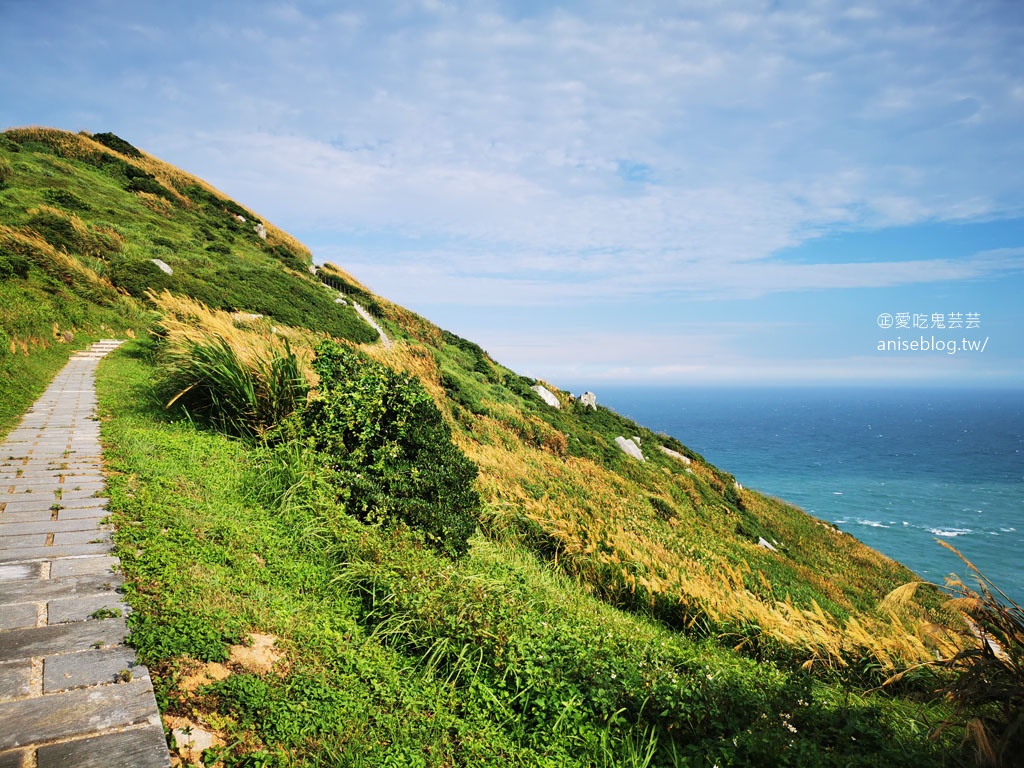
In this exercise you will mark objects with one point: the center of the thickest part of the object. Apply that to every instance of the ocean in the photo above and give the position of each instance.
(899, 469)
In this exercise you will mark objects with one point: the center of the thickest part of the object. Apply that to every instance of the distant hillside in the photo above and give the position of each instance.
(576, 603)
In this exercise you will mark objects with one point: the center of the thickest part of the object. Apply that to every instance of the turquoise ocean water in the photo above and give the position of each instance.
(899, 469)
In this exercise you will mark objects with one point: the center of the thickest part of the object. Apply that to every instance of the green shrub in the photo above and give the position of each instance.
(136, 276)
(13, 264)
(146, 184)
(389, 451)
(288, 257)
(6, 172)
(117, 144)
(62, 198)
(8, 144)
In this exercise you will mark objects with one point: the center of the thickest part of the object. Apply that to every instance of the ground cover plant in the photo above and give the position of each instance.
(397, 654)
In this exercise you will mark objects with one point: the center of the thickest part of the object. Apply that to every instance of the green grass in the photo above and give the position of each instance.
(215, 258)
(399, 656)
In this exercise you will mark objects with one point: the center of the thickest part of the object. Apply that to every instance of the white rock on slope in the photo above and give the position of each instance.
(629, 447)
(546, 395)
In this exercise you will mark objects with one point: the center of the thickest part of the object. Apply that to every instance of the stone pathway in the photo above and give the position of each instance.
(71, 692)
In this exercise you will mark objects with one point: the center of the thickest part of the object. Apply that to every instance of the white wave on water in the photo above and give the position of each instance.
(872, 523)
(949, 533)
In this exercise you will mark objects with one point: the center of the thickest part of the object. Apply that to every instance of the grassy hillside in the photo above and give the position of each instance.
(450, 571)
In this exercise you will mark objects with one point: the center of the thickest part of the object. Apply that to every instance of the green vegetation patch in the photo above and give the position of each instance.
(397, 655)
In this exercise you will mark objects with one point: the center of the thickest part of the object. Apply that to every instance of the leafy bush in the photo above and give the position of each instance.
(62, 198)
(388, 449)
(136, 276)
(5, 173)
(288, 257)
(203, 196)
(117, 144)
(146, 184)
(12, 264)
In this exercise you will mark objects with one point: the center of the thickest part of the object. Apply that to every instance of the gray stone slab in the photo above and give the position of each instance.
(80, 712)
(85, 485)
(49, 526)
(84, 566)
(18, 616)
(87, 515)
(21, 541)
(29, 505)
(42, 590)
(14, 679)
(93, 536)
(43, 553)
(60, 638)
(137, 748)
(21, 487)
(75, 670)
(25, 517)
(73, 495)
(20, 572)
(16, 758)
(81, 607)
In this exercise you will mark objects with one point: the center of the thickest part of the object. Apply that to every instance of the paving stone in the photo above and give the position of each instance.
(19, 487)
(80, 608)
(18, 616)
(43, 553)
(60, 638)
(84, 566)
(23, 541)
(94, 536)
(33, 505)
(137, 748)
(79, 712)
(50, 526)
(74, 670)
(84, 513)
(16, 758)
(42, 590)
(20, 572)
(14, 679)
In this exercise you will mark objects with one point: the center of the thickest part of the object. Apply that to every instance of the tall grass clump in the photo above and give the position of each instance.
(245, 398)
(987, 683)
(240, 379)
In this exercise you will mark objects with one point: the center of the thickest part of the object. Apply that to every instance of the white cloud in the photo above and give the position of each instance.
(756, 130)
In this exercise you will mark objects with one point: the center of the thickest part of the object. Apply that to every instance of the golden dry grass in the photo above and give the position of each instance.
(184, 321)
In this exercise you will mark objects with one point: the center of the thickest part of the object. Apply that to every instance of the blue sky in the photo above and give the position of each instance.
(654, 192)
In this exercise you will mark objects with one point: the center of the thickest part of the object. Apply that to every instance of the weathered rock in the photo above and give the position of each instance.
(675, 455)
(763, 542)
(240, 218)
(629, 447)
(164, 266)
(589, 400)
(546, 395)
(261, 231)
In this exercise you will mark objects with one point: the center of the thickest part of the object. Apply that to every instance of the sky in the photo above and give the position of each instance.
(600, 192)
